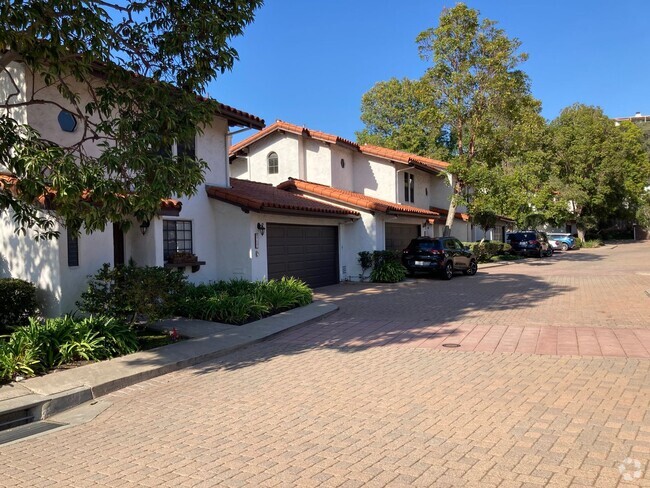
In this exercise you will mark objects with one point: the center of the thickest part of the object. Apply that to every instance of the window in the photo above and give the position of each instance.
(273, 163)
(342, 163)
(186, 148)
(409, 187)
(177, 237)
(73, 249)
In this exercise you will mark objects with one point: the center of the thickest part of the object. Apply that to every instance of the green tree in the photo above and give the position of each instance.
(130, 73)
(401, 114)
(603, 169)
(479, 92)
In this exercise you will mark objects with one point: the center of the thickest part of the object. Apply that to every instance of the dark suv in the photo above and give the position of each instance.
(442, 255)
(529, 243)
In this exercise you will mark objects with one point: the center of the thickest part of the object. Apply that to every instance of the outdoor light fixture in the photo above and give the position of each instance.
(261, 228)
(144, 226)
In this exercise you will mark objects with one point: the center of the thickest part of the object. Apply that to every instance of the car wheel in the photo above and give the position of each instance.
(564, 247)
(448, 271)
(473, 268)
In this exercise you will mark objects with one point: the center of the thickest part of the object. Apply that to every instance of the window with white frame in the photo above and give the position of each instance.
(409, 187)
(273, 163)
(177, 237)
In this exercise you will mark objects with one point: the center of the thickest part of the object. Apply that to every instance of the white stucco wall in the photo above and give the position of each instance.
(286, 147)
(232, 242)
(94, 250)
(342, 177)
(239, 168)
(360, 235)
(212, 147)
(318, 162)
(35, 261)
(374, 177)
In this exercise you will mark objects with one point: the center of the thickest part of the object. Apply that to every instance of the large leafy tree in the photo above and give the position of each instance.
(472, 107)
(480, 93)
(130, 72)
(602, 168)
(401, 114)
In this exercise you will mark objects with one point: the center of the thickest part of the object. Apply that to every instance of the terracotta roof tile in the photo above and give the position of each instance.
(353, 198)
(403, 157)
(293, 129)
(265, 197)
(458, 215)
(10, 182)
(382, 152)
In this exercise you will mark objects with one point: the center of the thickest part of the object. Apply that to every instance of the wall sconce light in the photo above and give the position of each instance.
(144, 226)
(261, 228)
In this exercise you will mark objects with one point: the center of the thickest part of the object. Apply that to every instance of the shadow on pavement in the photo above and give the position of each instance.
(404, 314)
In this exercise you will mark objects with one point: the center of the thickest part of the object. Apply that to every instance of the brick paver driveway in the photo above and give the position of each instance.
(366, 396)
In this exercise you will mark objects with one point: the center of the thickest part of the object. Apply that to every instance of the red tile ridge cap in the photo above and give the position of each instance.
(293, 129)
(402, 156)
(353, 198)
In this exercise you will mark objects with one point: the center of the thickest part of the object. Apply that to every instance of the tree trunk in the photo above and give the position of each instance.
(581, 233)
(457, 189)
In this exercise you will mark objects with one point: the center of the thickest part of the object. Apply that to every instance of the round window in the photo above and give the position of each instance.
(67, 121)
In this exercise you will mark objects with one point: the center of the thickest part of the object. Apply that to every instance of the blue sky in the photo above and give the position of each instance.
(309, 62)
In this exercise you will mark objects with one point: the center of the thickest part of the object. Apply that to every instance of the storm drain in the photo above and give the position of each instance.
(450, 344)
(27, 430)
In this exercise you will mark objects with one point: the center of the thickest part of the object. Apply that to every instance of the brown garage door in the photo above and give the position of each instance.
(398, 236)
(308, 252)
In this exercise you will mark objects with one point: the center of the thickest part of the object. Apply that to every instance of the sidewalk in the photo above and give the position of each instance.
(44, 396)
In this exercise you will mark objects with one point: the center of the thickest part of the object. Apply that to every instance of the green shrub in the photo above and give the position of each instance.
(592, 243)
(43, 345)
(238, 301)
(17, 302)
(486, 250)
(388, 272)
(16, 358)
(129, 293)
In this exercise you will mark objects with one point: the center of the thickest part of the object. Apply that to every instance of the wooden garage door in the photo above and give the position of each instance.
(308, 252)
(398, 236)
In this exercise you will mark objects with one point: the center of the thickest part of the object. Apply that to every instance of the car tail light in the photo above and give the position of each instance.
(532, 242)
(435, 251)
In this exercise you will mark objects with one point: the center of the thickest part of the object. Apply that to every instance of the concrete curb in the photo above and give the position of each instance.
(50, 394)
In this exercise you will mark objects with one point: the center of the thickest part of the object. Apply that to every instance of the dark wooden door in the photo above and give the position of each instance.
(118, 244)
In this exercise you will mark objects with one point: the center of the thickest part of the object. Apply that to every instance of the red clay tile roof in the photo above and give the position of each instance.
(9, 182)
(239, 117)
(263, 197)
(444, 212)
(293, 129)
(382, 152)
(403, 157)
(353, 198)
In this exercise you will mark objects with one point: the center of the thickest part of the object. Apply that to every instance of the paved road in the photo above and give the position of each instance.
(359, 399)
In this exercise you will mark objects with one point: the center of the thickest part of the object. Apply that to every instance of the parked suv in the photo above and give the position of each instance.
(529, 243)
(564, 241)
(442, 255)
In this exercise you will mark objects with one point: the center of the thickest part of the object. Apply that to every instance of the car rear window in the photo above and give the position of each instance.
(425, 245)
(521, 236)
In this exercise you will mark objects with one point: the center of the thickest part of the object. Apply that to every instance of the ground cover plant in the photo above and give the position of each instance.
(239, 301)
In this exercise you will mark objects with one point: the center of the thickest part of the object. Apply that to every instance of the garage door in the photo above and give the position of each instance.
(398, 236)
(308, 252)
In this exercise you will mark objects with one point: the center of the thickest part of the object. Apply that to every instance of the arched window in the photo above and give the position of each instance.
(272, 160)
